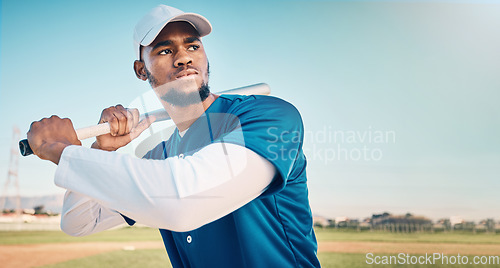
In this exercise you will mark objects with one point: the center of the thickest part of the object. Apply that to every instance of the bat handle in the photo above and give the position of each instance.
(25, 148)
(82, 133)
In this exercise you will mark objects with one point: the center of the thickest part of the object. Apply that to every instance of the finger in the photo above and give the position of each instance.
(135, 117)
(72, 134)
(132, 119)
(33, 125)
(107, 115)
(143, 125)
(32, 141)
(121, 114)
(113, 124)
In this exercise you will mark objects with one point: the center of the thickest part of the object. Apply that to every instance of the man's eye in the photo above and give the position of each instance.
(165, 52)
(193, 47)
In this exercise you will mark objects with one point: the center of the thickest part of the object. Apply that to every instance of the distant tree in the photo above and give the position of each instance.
(400, 223)
(469, 226)
(447, 224)
(490, 226)
(39, 209)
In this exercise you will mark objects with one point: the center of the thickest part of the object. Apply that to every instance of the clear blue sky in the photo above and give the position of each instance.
(422, 73)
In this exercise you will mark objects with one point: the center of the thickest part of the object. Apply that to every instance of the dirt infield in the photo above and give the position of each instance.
(23, 256)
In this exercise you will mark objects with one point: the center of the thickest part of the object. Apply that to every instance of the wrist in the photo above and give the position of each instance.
(54, 151)
(95, 145)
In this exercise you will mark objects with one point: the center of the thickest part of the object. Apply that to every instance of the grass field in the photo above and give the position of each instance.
(122, 258)
(157, 257)
(118, 235)
(450, 237)
(148, 234)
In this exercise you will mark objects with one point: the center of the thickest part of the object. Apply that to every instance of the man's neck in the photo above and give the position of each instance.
(184, 117)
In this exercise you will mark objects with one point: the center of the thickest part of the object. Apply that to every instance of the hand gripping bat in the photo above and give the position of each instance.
(161, 115)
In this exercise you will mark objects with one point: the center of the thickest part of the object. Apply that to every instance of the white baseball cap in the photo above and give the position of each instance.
(151, 25)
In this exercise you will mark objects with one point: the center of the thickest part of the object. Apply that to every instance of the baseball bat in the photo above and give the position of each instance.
(161, 115)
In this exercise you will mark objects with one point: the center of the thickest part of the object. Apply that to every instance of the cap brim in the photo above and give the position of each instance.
(200, 23)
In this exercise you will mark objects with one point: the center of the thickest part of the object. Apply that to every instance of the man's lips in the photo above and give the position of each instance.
(186, 73)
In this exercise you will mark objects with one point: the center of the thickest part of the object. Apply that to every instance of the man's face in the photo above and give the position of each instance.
(176, 56)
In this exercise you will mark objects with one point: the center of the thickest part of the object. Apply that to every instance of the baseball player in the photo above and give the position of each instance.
(227, 189)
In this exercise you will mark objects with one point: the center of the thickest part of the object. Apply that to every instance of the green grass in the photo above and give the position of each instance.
(454, 237)
(148, 234)
(158, 257)
(119, 235)
(121, 258)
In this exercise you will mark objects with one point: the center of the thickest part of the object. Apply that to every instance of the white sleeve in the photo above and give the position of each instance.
(82, 215)
(175, 194)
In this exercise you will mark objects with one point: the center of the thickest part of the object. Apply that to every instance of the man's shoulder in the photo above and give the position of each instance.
(258, 103)
(235, 98)
(264, 112)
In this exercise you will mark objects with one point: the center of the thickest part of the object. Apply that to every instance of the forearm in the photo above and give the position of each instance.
(175, 194)
(82, 215)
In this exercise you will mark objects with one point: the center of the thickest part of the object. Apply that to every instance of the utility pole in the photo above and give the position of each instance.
(12, 175)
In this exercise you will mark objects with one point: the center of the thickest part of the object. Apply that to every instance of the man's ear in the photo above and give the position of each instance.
(140, 70)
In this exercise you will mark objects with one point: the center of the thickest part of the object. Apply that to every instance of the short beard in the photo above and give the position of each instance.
(182, 99)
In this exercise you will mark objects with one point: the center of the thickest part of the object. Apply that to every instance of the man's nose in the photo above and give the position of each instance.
(182, 58)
